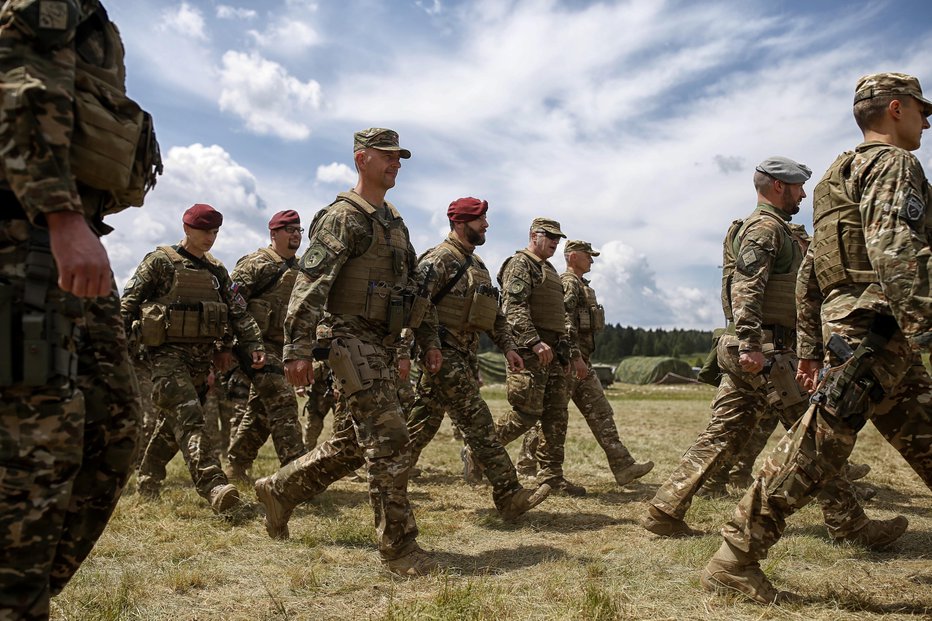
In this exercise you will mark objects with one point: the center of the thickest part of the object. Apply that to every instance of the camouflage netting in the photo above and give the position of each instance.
(651, 369)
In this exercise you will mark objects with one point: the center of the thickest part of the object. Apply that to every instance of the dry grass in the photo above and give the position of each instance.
(570, 559)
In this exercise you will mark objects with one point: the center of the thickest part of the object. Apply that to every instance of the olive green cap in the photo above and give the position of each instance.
(546, 225)
(886, 84)
(577, 245)
(378, 138)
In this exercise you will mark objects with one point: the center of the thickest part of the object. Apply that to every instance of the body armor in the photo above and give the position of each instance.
(546, 300)
(476, 309)
(269, 308)
(590, 319)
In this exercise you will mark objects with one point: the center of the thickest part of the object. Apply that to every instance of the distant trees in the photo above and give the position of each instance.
(616, 342)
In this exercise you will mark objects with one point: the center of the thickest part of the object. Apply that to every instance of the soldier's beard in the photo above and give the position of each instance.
(474, 237)
(790, 205)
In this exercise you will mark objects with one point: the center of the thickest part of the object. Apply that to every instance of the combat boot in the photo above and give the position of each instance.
(853, 472)
(713, 490)
(877, 534)
(522, 501)
(625, 475)
(734, 571)
(277, 511)
(561, 486)
(415, 563)
(526, 466)
(236, 471)
(666, 525)
(224, 497)
(472, 469)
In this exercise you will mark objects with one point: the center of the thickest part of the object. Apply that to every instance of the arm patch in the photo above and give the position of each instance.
(747, 261)
(913, 211)
(330, 240)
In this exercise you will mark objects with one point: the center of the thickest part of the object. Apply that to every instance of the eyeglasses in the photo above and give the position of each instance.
(549, 235)
(291, 230)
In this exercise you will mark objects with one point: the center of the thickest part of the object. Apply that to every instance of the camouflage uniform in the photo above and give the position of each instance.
(232, 390)
(320, 400)
(455, 388)
(537, 393)
(69, 423)
(765, 250)
(272, 407)
(890, 192)
(586, 393)
(180, 369)
(141, 366)
(374, 434)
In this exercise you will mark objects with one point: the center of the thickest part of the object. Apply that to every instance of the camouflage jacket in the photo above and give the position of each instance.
(339, 232)
(518, 277)
(257, 270)
(154, 277)
(895, 199)
(758, 249)
(574, 297)
(37, 73)
(446, 265)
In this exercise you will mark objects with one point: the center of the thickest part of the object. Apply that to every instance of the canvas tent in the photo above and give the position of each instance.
(653, 370)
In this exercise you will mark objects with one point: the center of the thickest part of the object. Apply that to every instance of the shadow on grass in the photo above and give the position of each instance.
(854, 602)
(903, 547)
(498, 561)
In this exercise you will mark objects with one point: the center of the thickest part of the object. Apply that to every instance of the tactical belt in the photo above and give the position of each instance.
(782, 335)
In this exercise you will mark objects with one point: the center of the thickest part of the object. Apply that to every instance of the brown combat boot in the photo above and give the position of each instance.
(472, 469)
(415, 563)
(733, 571)
(625, 475)
(877, 534)
(561, 486)
(277, 512)
(666, 525)
(224, 497)
(523, 500)
(853, 472)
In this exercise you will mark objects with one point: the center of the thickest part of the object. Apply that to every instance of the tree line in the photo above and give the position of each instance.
(616, 342)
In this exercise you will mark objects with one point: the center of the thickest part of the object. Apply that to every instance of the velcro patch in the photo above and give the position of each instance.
(330, 240)
(914, 210)
(747, 261)
(53, 15)
(313, 258)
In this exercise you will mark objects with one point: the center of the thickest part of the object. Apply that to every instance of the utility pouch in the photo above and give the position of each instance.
(45, 353)
(784, 392)
(183, 322)
(598, 318)
(261, 311)
(482, 312)
(153, 317)
(584, 319)
(213, 320)
(6, 335)
(396, 313)
(419, 306)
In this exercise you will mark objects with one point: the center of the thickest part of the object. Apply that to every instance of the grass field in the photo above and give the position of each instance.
(570, 558)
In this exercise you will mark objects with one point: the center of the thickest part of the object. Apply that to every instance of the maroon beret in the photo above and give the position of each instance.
(202, 216)
(466, 209)
(289, 217)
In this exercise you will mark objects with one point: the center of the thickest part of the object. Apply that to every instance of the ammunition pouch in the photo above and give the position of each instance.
(783, 392)
(350, 365)
(152, 320)
(482, 311)
(200, 322)
(261, 311)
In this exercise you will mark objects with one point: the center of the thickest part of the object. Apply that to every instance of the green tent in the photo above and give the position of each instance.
(652, 370)
(492, 368)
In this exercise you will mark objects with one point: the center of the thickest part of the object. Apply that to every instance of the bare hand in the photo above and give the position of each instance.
(83, 265)
(434, 360)
(223, 360)
(404, 368)
(258, 359)
(582, 369)
(515, 361)
(807, 374)
(299, 372)
(544, 353)
(751, 361)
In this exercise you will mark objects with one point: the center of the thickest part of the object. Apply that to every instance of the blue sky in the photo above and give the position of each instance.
(636, 124)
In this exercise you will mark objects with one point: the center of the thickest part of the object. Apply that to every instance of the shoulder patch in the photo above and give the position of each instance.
(914, 210)
(129, 284)
(747, 261)
(313, 257)
(517, 286)
(330, 240)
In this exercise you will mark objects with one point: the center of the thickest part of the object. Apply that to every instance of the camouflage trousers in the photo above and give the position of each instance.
(739, 470)
(589, 397)
(455, 389)
(179, 383)
(141, 366)
(373, 433)
(739, 404)
(818, 445)
(537, 394)
(272, 409)
(66, 447)
(320, 400)
(232, 397)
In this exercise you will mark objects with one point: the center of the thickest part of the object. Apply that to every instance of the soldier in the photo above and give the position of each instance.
(533, 306)
(586, 318)
(356, 291)
(265, 279)
(760, 260)
(320, 400)
(864, 283)
(181, 302)
(467, 304)
(69, 409)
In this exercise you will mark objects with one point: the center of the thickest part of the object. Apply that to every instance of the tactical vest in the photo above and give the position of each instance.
(476, 309)
(374, 284)
(590, 317)
(113, 145)
(838, 245)
(546, 300)
(270, 307)
(192, 311)
(779, 304)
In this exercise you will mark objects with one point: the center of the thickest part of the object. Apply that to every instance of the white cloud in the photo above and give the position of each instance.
(431, 7)
(266, 97)
(225, 11)
(186, 20)
(286, 37)
(336, 173)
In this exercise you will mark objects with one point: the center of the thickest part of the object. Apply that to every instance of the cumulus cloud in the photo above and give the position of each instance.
(286, 37)
(336, 173)
(267, 97)
(225, 11)
(186, 20)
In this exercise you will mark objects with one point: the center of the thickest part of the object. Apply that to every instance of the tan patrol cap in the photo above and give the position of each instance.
(378, 138)
(546, 225)
(886, 84)
(577, 245)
